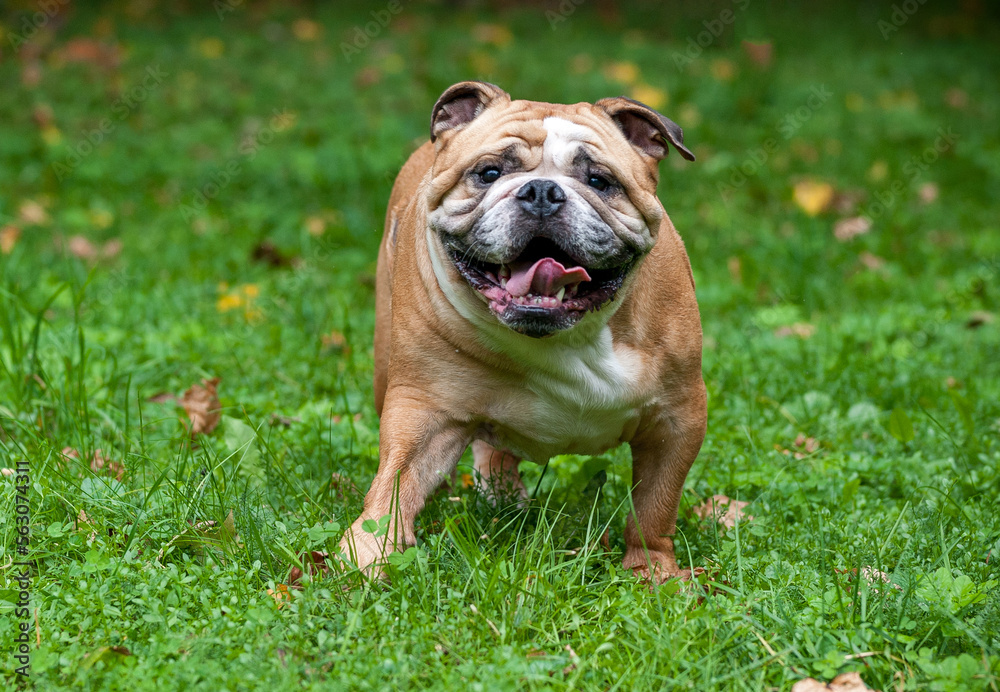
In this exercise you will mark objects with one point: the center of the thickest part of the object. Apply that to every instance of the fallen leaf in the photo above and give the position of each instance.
(9, 235)
(928, 192)
(813, 196)
(723, 69)
(306, 29)
(109, 655)
(82, 248)
(845, 682)
(201, 402)
(956, 98)
(497, 34)
(334, 341)
(284, 421)
(315, 226)
(802, 330)
(315, 563)
(873, 262)
(280, 594)
(622, 71)
(367, 76)
(724, 510)
(653, 97)
(114, 468)
(978, 318)
(760, 54)
(33, 213)
(211, 47)
(269, 253)
(810, 443)
(848, 229)
(87, 50)
(161, 398)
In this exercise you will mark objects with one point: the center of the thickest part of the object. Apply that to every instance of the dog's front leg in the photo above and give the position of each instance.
(662, 454)
(419, 446)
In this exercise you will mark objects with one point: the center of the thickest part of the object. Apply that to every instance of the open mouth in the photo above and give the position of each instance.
(543, 290)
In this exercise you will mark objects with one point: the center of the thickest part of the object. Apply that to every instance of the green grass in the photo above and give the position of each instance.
(898, 390)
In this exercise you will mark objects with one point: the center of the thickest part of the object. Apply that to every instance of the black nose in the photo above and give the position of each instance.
(541, 197)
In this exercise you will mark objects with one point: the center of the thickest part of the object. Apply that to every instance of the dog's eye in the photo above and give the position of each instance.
(489, 175)
(599, 182)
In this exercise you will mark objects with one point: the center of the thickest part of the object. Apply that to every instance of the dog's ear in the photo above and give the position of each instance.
(646, 129)
(461, 103)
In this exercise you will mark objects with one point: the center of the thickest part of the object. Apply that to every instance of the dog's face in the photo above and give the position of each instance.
(545, 210)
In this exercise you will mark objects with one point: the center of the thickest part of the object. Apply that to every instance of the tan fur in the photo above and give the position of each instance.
(439, 386)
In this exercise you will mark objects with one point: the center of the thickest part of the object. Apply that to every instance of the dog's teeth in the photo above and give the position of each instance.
(538, 300)
(503, 281)
(560, 294)
(504, 272)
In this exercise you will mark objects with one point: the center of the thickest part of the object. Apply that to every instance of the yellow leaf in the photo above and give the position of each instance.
(211, 47)
(9, 236)
(497, 34)
(623, 71)
(229, 301)
(306, 29)
(723, 69)
(812, 196)
(652, 96)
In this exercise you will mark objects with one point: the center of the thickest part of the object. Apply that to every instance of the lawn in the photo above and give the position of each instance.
(189, 194)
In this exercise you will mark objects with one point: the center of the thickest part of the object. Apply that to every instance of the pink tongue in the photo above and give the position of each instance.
(543, 278)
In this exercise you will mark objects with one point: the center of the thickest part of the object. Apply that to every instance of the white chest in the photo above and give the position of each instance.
(579, 399)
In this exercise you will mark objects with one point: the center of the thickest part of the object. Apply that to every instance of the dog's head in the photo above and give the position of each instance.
(544, 210)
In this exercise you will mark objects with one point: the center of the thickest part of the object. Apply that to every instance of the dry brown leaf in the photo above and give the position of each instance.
(33, 213)
(113, 468)
(724, 510)
(9, 235)
(977, 318)
(813, 196)
(82, 248)
(315, 563)
(280, 594)
(201, 402)
(335, 341)
(802, 330)
(848, 229)
(760, 54)
(161, 398)
(810, 443)
(270, 254)
(929, 192)
(873, 262)
(845, 682)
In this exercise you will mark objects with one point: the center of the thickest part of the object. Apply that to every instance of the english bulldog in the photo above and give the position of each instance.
(534, 299)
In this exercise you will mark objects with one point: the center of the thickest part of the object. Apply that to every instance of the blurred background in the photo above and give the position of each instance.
(196, 190)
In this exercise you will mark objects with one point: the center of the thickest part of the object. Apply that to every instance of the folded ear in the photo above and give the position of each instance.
(461, 103)
(646, 129)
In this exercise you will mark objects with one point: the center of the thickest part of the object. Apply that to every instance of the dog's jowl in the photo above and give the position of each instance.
(534, 299)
